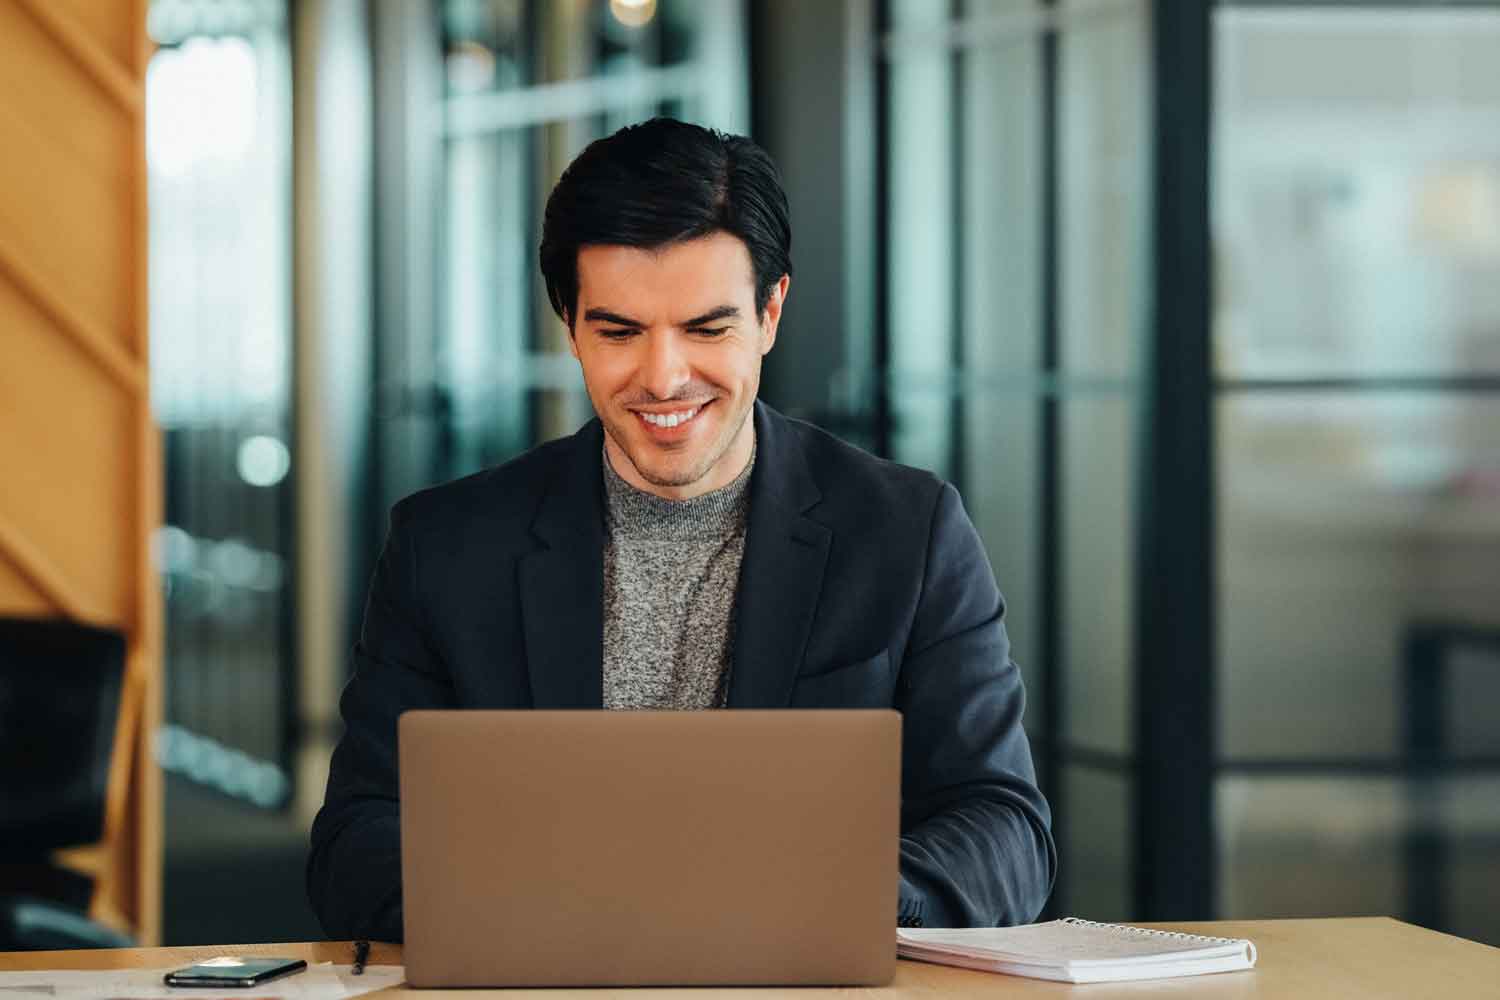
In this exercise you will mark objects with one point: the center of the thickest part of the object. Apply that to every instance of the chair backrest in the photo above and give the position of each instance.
(60, 685)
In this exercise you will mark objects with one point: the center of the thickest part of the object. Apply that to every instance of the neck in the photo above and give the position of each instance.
(723, 472)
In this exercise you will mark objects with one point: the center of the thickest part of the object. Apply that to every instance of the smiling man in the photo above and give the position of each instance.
(674, 391)
(693, 549)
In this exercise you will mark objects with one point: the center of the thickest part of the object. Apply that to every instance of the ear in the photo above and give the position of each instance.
(773, 313)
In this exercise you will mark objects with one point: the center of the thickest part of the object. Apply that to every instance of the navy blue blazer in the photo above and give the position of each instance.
(863, 585)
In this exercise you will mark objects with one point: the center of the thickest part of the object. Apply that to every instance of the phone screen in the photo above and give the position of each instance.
(234, 971)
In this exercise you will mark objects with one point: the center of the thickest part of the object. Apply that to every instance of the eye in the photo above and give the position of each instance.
(616, 334)
(703, 331)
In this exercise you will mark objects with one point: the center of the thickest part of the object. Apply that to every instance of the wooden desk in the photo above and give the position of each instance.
(1366, 957)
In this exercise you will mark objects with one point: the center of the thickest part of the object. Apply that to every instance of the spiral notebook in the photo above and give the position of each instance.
(1077, 951)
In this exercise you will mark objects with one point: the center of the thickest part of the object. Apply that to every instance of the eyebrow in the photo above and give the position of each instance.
(722, 312)
(607, 316)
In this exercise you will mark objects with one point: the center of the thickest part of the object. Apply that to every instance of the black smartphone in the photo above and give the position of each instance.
(232, 970)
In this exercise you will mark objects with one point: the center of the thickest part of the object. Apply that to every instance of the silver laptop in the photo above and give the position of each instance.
(592, 848)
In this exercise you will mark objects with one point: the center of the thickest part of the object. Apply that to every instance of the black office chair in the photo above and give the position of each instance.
(60, 686)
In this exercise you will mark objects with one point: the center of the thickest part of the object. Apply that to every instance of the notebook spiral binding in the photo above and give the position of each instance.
(1148, 931)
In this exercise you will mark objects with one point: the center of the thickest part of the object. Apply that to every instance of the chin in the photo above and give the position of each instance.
(673, 475)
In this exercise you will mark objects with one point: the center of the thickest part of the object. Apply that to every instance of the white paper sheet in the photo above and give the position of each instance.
(325, 981)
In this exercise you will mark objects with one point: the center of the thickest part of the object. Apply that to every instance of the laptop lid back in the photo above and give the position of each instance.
(589, 848)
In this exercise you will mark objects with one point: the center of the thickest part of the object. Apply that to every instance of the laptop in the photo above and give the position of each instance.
(594, 848)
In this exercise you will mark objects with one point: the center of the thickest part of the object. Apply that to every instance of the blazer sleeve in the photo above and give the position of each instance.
(354, 868)
(976, 844)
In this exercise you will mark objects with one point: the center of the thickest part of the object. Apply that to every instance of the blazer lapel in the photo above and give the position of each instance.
(562, 584)
(781, 576)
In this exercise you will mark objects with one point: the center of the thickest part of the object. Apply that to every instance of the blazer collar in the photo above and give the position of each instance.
(562, 584)
(781, 574)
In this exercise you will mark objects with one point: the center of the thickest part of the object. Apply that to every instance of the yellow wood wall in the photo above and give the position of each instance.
(80, 486)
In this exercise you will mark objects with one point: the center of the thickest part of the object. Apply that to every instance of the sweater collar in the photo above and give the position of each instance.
(636, 514)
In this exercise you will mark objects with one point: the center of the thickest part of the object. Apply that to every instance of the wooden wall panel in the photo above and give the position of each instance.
(81, 494)
(66, 181)
(19, 596)
(69, 464)
(111, 25)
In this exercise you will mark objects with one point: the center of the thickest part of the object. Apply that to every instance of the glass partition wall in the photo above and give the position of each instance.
(1356, 344)
(219, 142)
(1015, 268)
(218, 147)
(1199, 304)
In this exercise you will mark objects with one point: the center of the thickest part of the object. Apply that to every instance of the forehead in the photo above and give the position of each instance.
(691, 276)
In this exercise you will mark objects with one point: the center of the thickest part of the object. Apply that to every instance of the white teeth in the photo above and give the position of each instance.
(669, 419)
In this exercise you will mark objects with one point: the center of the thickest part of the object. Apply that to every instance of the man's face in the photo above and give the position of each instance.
(671, 349)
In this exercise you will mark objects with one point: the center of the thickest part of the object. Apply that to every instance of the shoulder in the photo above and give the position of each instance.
(863, 488)
(890, 521)
(502, 495)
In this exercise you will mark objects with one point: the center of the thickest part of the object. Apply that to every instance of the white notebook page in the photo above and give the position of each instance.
(1073, 942)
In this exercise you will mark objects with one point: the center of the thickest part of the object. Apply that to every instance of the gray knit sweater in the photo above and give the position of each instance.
(671, 573)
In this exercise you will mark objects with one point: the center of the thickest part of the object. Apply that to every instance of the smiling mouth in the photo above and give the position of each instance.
(670, 420)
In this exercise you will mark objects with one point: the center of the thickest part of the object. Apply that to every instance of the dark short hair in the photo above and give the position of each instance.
(661, 182)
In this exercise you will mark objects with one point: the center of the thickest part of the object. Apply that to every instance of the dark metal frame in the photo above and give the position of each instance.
(882, 415)
(1362, 383)
(1175, 664)
(957, 453)
(1049, 534)
(1426, 856)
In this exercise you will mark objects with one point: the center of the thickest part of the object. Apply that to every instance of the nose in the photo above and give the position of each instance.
(664, 370)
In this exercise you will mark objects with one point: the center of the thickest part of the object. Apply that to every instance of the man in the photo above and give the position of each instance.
(692, 549)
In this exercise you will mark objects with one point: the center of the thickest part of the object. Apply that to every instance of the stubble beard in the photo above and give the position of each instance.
(694, 473)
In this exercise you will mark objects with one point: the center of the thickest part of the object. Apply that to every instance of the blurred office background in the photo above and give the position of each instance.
(1198, 304)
